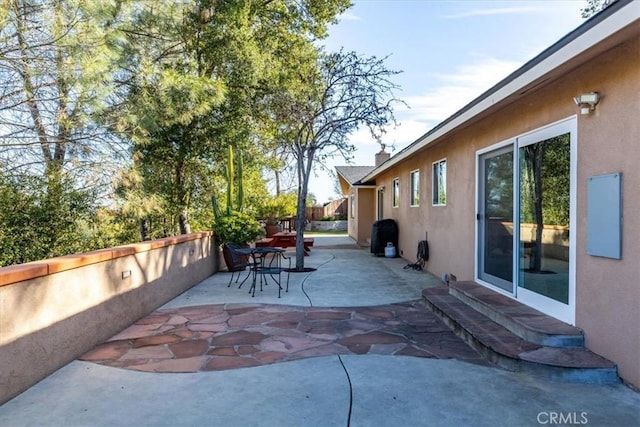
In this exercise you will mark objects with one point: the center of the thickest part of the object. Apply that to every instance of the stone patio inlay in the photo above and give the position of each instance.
(232, 336)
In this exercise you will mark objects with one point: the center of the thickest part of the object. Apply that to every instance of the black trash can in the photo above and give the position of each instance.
(383, 232)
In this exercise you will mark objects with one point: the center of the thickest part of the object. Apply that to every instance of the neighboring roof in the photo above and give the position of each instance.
(353, 174)
(618, 16)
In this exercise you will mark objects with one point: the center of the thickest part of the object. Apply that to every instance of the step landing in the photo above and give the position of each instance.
(511, 351)
(524, 321)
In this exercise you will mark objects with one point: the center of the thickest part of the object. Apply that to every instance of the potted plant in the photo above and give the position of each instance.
(270, 213)
(274, 208)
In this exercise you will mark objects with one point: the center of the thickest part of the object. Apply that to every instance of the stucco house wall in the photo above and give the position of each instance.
(608, 290)
(360, 230)
(608, 140)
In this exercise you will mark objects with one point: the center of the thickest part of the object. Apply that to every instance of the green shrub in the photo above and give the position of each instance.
(274, 208)
(236, 227)
(40, 219)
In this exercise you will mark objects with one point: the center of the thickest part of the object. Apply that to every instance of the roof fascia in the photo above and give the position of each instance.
(614, 18)
(343, 188)
(344, 178)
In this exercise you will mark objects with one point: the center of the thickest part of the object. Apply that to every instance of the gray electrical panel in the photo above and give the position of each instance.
(604, 215)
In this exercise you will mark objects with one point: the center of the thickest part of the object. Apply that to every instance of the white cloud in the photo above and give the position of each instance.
(453, 91)
(407, 131)
(348, 16)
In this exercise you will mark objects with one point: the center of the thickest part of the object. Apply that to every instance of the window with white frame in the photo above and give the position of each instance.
(439, 186)
(415, 188)
(396, 192)
(352, 208)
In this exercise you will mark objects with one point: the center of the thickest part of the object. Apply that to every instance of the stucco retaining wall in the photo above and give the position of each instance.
(328, 225)
(53, 311)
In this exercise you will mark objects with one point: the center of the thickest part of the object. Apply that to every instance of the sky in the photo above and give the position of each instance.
(449, 53)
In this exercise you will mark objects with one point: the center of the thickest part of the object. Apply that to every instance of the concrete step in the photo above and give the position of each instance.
(506, 349)
(526, 322)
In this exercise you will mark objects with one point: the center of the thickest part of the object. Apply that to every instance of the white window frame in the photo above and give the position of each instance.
(380, 202)
(352, 205)
(435, 187)
(395, 190)
(414, 188)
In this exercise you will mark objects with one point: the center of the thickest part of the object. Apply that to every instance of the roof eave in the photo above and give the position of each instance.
(614, 18)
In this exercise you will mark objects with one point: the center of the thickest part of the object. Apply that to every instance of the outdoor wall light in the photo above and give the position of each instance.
(587, 102)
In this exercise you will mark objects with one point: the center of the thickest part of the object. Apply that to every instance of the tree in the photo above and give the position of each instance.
(57, 153)
(167, 97)
(593, 7)
(57, 60)
(545, 188)
(341, 93)
(201, 72)
(151, 91)
(39, 219)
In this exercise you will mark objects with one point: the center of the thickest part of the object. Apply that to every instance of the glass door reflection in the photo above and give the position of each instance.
(544, 175)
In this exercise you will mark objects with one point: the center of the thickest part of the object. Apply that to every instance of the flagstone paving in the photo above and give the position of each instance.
(230, 336)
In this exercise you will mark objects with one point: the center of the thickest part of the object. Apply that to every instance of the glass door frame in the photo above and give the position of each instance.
(493, 151)
(561, 311)
(380, 203)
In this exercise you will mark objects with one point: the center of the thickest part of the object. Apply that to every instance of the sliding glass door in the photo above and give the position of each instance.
(495, 218)
(526, 218)
(546, 219)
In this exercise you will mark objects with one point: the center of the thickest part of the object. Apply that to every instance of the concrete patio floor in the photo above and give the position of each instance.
(349, 344)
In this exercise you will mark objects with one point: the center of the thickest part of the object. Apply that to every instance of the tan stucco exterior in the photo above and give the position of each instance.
(607, 304)
(361, 220)
(65, 306)
(608, 290)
